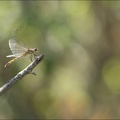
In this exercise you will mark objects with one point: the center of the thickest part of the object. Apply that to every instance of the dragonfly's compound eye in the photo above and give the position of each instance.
(35, 49)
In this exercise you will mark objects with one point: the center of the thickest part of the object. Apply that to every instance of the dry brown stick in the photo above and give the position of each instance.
(20, 75)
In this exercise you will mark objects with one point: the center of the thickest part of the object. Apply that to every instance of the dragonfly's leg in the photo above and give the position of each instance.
(31, 57)
(35, 56)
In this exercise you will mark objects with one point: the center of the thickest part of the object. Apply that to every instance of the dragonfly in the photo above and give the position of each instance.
(20, 51)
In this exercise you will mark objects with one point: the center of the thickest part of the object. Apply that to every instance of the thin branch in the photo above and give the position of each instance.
(20, 75)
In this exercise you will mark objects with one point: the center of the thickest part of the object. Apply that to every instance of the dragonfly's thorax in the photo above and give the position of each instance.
(32, 51)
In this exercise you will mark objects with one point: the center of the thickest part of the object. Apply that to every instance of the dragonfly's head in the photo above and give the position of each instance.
(35, 50)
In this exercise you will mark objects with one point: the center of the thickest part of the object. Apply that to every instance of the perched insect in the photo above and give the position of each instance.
(19, 51)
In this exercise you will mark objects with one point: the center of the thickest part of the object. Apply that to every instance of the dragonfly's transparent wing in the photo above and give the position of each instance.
(16, 49)
(14, 55)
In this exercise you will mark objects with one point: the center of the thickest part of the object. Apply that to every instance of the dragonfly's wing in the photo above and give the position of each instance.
(14, 55)
(16, 49)
(10, 56)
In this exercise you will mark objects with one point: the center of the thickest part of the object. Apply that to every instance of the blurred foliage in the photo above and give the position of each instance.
(79, 76)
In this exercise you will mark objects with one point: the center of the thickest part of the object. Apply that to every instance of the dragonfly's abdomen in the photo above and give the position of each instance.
(11, 61)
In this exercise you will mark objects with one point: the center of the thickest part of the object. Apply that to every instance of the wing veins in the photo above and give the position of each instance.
(16, 48)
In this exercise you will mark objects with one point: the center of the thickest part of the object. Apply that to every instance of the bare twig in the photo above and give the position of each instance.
(20, 75)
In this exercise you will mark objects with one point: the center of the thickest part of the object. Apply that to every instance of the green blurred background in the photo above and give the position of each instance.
(80, 74)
